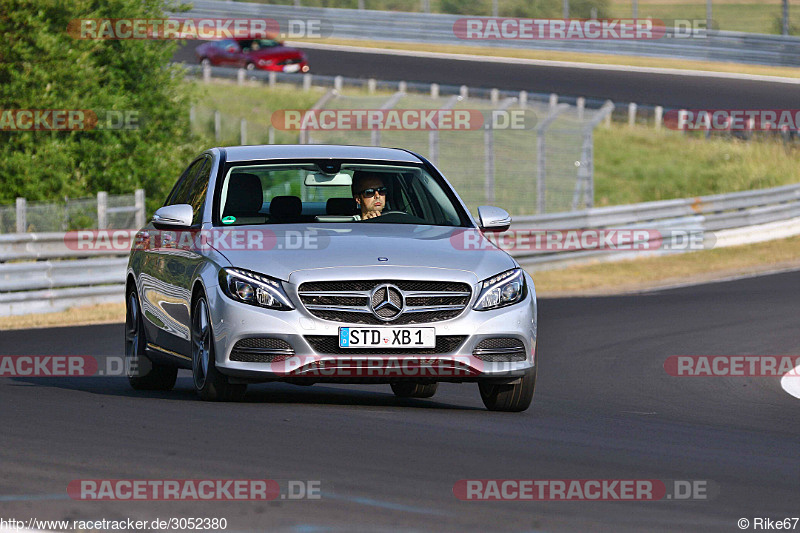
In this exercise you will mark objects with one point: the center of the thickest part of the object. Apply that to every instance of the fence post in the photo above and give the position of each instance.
(102, 210)
(271, 135)
(402, 87)
(272, 78)
(523, 99)
(553, 100)
(464, 92)
(632, 114)
(192, 116)
(206, 73)
(581, 104)
(22, 215)
(494, 96)
(659, 116)
(541, 157)
(338, 81)
(140, 207)
(240, 76)
(372, 85)
(217, 125)
(243, 132)
(434, 90)
(306, 82)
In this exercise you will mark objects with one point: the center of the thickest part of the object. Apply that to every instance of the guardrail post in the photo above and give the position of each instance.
(102, 210)
(632, 114)
(523, 99)
(217, 125)
(464, 92)
(402, 87)
(553, 99)
(22, 215)
(306, 82)
(434, 90)
(581, 104)
(372, 85)
(240, 76)
(243, 132)
(494, 96)
(338, 81)
(206, 74)
(140, 207)
(272, 78)
(659, 116)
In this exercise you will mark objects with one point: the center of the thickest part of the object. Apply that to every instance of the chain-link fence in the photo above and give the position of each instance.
(542, 165)
(105, 211)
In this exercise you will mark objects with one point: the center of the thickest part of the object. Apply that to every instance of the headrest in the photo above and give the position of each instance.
(245, 195)
(286, 206)
(341, 206)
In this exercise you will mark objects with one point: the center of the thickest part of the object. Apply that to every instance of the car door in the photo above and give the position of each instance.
(231, 54)
(165, 303)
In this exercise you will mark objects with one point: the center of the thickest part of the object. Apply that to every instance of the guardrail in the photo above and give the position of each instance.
(430, 28)
(41, 272)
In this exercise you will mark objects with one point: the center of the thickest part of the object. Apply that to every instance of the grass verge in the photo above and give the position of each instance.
(77, 316)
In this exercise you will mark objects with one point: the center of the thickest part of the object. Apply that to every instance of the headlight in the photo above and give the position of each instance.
(264, 61)
(504, 289)
(254, 289)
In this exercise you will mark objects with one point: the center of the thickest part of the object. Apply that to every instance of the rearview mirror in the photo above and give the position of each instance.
(493, 218)
(174, 216)
(319, 179)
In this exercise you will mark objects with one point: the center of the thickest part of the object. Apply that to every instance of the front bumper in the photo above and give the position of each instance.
(234, 321)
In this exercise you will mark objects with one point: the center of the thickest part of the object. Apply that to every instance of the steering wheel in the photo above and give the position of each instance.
(394, 213)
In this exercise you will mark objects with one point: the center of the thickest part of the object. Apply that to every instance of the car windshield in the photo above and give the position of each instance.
(257, 44)
(302, 193)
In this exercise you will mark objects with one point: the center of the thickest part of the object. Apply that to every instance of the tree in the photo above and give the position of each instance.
(43, 67)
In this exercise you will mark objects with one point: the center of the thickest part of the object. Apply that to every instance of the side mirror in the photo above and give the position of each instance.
(493, 218)
(174, 216)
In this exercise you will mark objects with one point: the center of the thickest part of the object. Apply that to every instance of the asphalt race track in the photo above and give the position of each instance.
(604, 409)
(668, 90)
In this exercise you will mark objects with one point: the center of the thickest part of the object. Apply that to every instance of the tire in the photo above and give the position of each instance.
(142, 373)
(514, 398)
(210, 384)
(250, 66)
(205, 62)
(408, 389)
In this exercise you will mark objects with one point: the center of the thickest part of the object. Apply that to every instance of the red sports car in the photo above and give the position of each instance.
(261, 54)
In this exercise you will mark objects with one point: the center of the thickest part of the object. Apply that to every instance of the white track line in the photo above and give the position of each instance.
(791, 382)
(548, 63)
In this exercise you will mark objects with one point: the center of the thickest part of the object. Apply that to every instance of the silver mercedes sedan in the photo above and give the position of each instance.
(331, 264)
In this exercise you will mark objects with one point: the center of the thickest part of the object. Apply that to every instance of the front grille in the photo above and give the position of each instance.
(500, 350)
(261, 350)
(349, 301)
(328, 345)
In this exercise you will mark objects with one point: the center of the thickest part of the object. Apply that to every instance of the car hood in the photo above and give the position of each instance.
(290, 251)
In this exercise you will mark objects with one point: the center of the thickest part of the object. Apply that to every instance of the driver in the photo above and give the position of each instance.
(369, 191)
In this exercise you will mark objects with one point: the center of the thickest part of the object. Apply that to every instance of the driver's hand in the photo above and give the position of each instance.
(372, 214)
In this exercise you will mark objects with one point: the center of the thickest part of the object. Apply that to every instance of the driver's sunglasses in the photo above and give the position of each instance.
(367, 193)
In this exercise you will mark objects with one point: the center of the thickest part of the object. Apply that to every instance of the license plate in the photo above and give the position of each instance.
(387, 337)
(291, 68)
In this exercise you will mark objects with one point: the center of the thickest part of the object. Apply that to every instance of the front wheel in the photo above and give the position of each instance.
(142, 373)
(406, 389)
(514, 397)
(210, 383)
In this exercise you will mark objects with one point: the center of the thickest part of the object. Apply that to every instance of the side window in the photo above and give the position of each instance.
(197, 194)
(180, 193)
